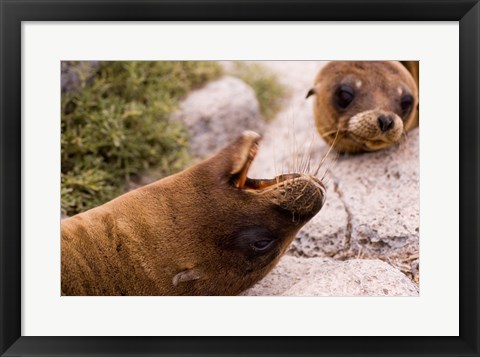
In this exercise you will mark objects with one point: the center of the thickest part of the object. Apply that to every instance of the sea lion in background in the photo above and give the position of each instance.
(365, 105)
(208, 230)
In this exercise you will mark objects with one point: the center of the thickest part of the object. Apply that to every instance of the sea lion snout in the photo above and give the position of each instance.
(374, 129)
(303, 196)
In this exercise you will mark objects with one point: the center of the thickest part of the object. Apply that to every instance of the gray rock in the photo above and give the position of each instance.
(218, 113)
(372, 207)
(326, 234)
(381, 190)
(295, 276)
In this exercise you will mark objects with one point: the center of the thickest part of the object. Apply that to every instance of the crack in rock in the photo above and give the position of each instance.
(349, 225)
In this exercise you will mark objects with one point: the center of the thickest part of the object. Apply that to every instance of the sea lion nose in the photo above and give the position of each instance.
(385, 122)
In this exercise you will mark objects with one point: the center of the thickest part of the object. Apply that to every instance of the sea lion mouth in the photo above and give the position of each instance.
(371, 144)
(368, 142)
(261, 184)
(242, 181)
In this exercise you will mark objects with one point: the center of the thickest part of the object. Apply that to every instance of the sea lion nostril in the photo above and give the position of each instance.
(385, 122)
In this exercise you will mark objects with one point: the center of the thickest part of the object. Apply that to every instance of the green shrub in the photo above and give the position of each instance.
(269, 91)
(117, 125)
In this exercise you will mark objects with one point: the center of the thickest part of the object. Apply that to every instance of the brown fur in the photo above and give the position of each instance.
(414, 68)
(188, 234)
(375, 85)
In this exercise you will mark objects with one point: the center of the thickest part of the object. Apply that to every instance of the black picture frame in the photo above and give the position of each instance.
(13, 12)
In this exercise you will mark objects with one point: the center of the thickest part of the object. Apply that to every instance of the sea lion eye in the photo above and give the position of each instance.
(406, 103)
(344, 96)
(253, 241)
(262, 244)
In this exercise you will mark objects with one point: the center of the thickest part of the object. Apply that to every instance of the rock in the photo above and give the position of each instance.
(218, 113)
(372, 207)
(295, 276)
(327, 233)
(381, 191)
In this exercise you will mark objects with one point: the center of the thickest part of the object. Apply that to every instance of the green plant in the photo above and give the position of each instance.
(269, 91)
(117, 125)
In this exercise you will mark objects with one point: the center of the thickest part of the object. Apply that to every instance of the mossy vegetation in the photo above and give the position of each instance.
(117, 125)
(269, 91)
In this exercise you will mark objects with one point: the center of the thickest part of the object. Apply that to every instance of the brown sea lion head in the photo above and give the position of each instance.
(236, 228)
(370, 104)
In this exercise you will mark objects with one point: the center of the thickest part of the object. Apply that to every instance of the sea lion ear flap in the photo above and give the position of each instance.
(234, 158)
(312, 91)
(244, 149)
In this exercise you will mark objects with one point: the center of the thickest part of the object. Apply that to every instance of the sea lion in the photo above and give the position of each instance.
(365, 105)
(208, 230)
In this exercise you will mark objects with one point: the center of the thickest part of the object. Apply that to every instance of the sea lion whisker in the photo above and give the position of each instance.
(302, 158)
(328, 152)
(327, 126)
(313, 202)
(306, 168)
(289, 162)
(328, 133)
(332, 164)
(275, 161)
(298, 197)
(304, 164)
(324, 176)
(305, 186)
(292, 143)
(326, 180)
